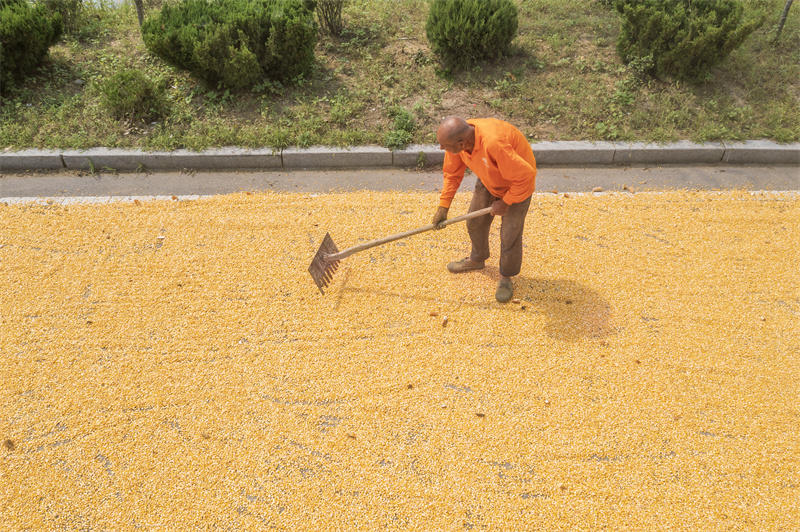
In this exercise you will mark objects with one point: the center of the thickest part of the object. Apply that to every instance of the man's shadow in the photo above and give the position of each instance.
(573, 311)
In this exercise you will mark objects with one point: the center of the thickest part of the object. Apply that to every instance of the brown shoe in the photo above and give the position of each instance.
(464, 265)
(505, 289)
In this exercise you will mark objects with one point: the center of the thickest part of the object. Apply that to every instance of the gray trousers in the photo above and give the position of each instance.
(513, 221)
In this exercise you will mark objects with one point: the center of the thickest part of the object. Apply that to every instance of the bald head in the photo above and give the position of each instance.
(455, 134)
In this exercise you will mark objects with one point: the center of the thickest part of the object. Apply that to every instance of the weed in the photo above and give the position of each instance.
(358, 38)
(305, 139)
(269, 86)
(605, 131)
(219, 97)
(397, 139)
(624, 94)
(422, 58)
(344, 108)
(403, 119)
(535, 64)
(403, 128)
(507, 84)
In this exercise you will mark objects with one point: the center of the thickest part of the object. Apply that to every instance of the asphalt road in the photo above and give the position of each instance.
(561, 179)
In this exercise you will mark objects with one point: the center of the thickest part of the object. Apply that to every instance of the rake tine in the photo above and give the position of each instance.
(321, 270)
(327, 276)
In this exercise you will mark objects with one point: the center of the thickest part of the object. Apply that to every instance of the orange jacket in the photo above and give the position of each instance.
(502, 159)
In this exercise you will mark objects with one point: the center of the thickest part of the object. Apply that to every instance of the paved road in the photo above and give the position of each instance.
(716, 177)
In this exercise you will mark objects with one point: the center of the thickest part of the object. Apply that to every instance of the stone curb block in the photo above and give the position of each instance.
(761, 152)
(681, 152)
(100, 158)
(222, 159)
(336, 157)
(431, 155)
(133, 160)
(573, 153)
(19, 161)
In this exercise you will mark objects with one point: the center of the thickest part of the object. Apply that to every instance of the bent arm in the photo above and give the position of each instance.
(520, 172)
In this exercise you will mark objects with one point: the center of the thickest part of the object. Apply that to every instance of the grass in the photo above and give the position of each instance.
(562, 81)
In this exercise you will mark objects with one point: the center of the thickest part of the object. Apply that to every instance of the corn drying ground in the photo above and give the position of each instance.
(647, 379)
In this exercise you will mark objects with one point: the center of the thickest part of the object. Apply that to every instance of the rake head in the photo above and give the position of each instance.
(320, 269)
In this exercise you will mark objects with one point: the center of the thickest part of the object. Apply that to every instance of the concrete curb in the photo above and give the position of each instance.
(138, 160)
(566, 153)
(573, 152)
(20, 161)
(761, 152)
(336, 157)
(683, 152)
(418, 155)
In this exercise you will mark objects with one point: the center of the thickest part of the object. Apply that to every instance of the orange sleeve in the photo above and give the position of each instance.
(453, 169)
(520, 172)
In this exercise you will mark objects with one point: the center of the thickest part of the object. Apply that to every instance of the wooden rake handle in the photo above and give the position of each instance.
(366, 245)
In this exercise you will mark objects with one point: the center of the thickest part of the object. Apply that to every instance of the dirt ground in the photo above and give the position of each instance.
(170, 365)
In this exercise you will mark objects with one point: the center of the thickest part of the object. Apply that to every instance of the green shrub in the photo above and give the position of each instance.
(234, 43)
(402, 129)
(26, 34)
(682, 38)
(329, 13)
(130, 95)
(83, 20)
(463, 31)
(71, 12)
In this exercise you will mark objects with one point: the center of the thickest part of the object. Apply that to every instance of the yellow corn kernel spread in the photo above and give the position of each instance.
(171, 366)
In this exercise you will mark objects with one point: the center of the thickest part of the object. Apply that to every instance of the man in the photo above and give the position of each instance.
(502, 159)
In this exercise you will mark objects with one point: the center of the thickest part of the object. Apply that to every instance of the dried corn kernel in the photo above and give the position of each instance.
(206, 384)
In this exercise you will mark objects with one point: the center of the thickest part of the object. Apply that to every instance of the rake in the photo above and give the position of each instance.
(328, 257)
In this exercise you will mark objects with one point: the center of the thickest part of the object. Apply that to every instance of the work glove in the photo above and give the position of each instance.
(440, 216)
